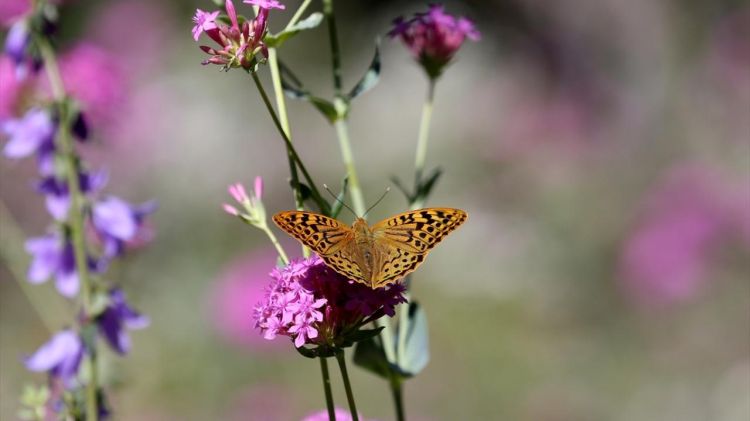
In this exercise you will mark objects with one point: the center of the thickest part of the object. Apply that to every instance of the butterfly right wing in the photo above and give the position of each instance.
(329, 238)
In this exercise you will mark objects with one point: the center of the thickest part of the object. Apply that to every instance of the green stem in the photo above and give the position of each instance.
(347, 386)
(75, 212)
(422, 140)
(358, 201)
(273, 63)
(289, 146)
(327, 388)
(276, 244)
(397, 393)
(341, 124)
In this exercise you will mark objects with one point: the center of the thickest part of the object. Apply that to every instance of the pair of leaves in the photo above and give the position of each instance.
(422, 187)
(332, 110)
(410, 359)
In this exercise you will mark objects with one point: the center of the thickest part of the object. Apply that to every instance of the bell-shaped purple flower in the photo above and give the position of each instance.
(116, 319)
(60, 357)
(52, 256)
(32, 133)
(118, 222)
(16, 47)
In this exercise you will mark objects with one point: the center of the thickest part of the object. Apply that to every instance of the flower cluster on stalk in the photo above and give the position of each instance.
(434, 37)
(312, 304)
(48, 130)
(240, 43)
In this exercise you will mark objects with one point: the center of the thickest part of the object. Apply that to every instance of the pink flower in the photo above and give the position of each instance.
(434, 37)
(312, 304)
(238, 45)
(686, 217)
(265, 4)
(11, 10)
(203, 22)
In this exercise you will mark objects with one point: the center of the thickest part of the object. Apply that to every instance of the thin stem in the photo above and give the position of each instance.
(398, 398)
(75, 212)
(290, 147)
(358, 201)
(327, 388)
(341, 124)
(347, 386)
(298, 14)
(422, 140)
(273, 62)
(276, 244)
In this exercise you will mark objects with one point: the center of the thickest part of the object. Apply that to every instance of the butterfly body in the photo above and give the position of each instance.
(373, 255)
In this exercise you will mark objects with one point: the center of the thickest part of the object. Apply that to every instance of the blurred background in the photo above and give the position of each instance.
(601, 149)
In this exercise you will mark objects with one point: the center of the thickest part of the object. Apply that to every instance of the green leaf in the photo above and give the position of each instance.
(310, 22)
(307, 352)
(370, 78)
(304, 190)
(293, 88)
(371, 357)
(363, 334)
(416, 353)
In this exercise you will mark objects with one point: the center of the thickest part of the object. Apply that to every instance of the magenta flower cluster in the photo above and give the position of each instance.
(434, 37)
(239, 44)
(312, 304)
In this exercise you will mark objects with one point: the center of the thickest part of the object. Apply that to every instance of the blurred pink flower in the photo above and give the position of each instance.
(10, 88)
(685, 218)
(236, 291)
(144, 51)
(95, 77)
(10, 10)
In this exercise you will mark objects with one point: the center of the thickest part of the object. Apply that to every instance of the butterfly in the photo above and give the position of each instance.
(373, 255)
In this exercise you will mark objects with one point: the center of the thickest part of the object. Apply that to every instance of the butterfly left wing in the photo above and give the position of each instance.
(329, 238)
(405, 239)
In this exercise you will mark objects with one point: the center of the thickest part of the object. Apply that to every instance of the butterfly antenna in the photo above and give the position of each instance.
(340, 201)
(387, 189)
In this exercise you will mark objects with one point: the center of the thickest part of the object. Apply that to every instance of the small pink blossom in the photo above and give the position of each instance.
(203, 22)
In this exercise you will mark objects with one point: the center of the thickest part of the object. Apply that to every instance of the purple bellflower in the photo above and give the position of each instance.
(30, 134)
(53, 256)
(116, 319)
(117, 223)
(434, 37)
(17, 47)
(57, 196)
(60, 357)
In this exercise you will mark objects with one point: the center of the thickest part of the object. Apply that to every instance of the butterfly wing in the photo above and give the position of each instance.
(329, 238)
(404, 240)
